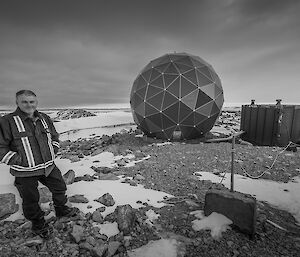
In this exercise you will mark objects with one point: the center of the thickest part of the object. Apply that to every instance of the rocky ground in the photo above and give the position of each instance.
(170, 169)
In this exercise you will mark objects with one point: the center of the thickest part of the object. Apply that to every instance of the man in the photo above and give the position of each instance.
(28, 143)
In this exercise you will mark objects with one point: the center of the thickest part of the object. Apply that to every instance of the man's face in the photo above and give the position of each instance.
(27, 103)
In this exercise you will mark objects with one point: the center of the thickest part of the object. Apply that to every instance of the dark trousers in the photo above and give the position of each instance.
(28, 189)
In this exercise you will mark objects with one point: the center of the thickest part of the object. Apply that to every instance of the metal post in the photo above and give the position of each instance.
(232, 162)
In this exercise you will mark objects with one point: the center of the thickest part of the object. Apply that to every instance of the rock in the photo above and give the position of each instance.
(100, 250)
(85, 177)
(97, 217)
(104, 170)
(72, 114)
(33, 242)
(78, 199)
(106, 200)
(109, 176)
(69, 177)
(86, 246)
(73, 158)
(112, 248)
(97, 151)
(121, 162)
(216, 172)
(139, 177)
(101, 209)
(8, 204)
(77, 233)
(125, 217)
(229, 243)
(45, 195)
(91, 240)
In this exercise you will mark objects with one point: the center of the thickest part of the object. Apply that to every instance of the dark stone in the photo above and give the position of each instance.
(69, 177)
(238, 207)
(8, 205)
(78, 199)
(106, 200)
(125, 217)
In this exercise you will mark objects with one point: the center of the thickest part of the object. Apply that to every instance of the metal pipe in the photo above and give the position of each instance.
(232, 162)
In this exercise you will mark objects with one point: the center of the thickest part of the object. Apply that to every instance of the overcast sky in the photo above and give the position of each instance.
(89, 52)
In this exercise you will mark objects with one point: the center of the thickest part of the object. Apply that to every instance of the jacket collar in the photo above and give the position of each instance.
(24, 115)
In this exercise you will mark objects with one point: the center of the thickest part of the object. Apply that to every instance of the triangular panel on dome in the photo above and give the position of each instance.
(185, 131)
(202, 99)
(136, 100)
(186, 60)
(206, 71)
(164, 59)
(142, 92)
(193, 133)
(205, 109)
(152, 127)
(171, 69)
(219, 101)
(183, 68)
(210, 90)
(167, 122)
(184, 111)
(218, 89)
(202, 79)
(157, 100)
(169, 78)
(150, 110)
(174, 88)
(209, 123)
(143, 125)
(140, 109)
(169, 132)
(200, 61)
(215, 109)
(156, 119)
(140, 83)
(172, 112)
(168, 100)
(154, 74)
(199, 118)
(162, 67)
(158, 82)
(190, 99)
(189, 120)
(175, 57)
(152, 91)
(186, 87)
(191, 76)
(161, 135)
(139, 118)
(146, 75)
(197, 63)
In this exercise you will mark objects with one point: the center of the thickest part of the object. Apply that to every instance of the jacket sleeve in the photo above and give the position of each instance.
(7, 156)
(54, 134)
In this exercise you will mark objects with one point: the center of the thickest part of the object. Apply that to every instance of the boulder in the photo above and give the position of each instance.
(45, 195)
(109, 176)
(78, 199)
(113, 248)
(125, 217)
(69, 177)
(97, 217)
(77, 233)
(100, 250)
(106, 200)
(8, 205)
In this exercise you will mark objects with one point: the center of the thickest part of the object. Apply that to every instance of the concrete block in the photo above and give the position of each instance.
(238, 207)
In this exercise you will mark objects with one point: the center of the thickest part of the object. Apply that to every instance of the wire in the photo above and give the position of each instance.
(259, 176)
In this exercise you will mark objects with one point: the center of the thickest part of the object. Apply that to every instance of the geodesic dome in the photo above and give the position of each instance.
(176, 96)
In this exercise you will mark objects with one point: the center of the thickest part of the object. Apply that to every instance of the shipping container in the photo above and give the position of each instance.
(270, 125)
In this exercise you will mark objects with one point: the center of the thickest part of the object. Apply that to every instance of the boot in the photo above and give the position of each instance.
(40, 228)
(65, 211)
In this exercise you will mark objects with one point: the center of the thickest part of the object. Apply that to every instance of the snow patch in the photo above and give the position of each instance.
(108, 229)
(215, 222)
(159, 248)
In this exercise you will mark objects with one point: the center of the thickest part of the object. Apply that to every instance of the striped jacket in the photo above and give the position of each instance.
(28, 146)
